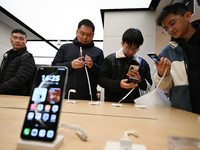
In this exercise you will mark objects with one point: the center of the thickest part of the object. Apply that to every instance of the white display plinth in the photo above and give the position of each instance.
(37, 145)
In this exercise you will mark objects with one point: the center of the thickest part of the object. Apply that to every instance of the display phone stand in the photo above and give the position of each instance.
(37, 145)
(110, 145)
(94, 103)
(117, 105)
(72, 102)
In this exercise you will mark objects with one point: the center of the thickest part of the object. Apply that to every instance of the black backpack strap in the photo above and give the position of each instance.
(30, 82)
(25, 55)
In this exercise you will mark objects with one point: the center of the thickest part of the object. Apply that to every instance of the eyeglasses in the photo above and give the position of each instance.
(136, 49)
(171, 24)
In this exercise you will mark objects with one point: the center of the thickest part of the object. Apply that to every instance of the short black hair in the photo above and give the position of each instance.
(133, 36)
(176, 9)
(86, 22)
(19, 31)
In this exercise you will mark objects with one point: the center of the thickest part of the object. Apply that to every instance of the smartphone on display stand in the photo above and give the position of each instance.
(154, 56)
(133, 80)
(43, 112)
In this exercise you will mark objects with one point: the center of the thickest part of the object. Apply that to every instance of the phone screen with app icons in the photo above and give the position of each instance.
(42, 117)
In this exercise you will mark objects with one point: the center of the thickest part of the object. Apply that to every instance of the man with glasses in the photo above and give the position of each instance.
(180, 58)
(115, 70)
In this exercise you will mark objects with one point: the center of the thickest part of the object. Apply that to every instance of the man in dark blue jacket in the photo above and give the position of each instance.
(115, 70)
(81, 57)
(17, 67)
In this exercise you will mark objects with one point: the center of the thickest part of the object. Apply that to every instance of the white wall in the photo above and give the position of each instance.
(4, 39)
(115, 24)
(161, 39)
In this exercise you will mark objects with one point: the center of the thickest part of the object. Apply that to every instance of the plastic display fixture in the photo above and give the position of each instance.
(37, 145)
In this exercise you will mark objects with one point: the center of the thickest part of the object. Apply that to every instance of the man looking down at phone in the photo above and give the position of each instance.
(115, 70)
(181, 57)
(92, 57)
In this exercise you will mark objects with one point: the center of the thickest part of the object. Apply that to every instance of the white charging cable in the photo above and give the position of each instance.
(126, 95)
(118, 104)
(89, 85)
(79, 131)
(69, 101)
(86, 71)
(125, 142)
(145, 105)
(130, 132)
(157, 86)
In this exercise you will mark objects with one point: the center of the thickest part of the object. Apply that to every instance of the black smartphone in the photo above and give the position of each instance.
(154, 56)
(133, 80)
(43, 112)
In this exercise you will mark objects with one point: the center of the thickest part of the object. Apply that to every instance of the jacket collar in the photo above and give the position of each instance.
(76, 42)
(120, 54)
(13, 53)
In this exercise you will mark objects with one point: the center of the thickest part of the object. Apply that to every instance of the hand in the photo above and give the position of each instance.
(77, 63)
(125, 85)
(88, 61)
(163, 64)
(134, 74)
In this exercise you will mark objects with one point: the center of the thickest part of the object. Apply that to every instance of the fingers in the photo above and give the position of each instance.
(125, 85)
(88, 58)
(80, 58)
(77, 63)
(161, 67)
(88, 61)
(134, 74)
(164, 62)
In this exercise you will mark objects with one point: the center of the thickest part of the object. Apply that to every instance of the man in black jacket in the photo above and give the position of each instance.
(80, 62)
(115, 70)
(17, 67)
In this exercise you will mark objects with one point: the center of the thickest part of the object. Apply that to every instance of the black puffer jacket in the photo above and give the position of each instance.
(77, 78)
(16, 71)
(192, 50)
(114, 69)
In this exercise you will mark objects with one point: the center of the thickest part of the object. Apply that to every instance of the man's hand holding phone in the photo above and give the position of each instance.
(133, 68)
(133, 80)
(77, 63)
(133, 74)
(163, 64)
(125, 85)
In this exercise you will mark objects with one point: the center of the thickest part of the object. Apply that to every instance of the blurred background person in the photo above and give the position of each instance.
(17, 67)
